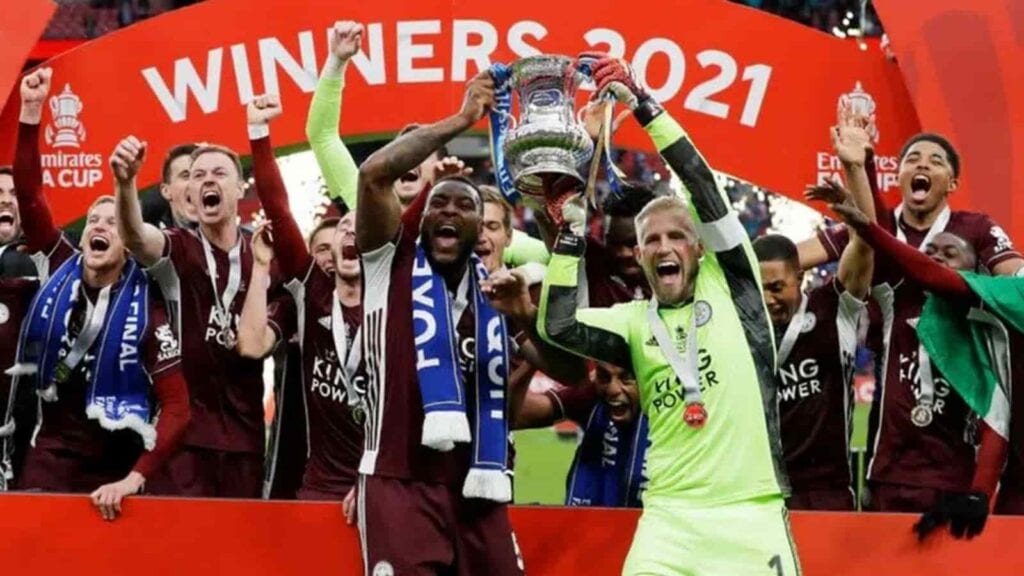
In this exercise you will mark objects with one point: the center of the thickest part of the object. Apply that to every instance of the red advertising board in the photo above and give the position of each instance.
(757, 92)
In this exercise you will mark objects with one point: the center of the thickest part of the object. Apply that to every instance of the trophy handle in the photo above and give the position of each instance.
(584, 108)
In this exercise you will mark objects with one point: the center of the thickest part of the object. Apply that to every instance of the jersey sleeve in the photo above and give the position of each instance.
(163, 364)
(282, 316)
(179, 249)
(717, 222)
(573, 402)
(849, 311)
(993, 244)
(292, 255)
(834, 238)
(41, 234)
(332, 156)
(163, 349)
(525, 249)
(599, 333)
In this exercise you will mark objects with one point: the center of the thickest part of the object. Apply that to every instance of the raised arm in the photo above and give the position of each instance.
(289, 246)
(718, 225)
(36, 220)
(336, 163)
(144, 241)
(599, 333)
(857, 263)
(526, 249)
(918, 267)
(256, 339)
(379, 214)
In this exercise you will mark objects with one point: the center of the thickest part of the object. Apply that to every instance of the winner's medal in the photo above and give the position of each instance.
(921, 415)
(222, 302)
(227, 337)
(95, 316)
(61, 373)
(358, 413)
(695, 415)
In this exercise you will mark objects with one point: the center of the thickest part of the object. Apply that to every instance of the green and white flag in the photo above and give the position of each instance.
(970, 345)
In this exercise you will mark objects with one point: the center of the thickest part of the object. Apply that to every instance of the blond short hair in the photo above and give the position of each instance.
(664, 204)
(491, 195)
(104, 199)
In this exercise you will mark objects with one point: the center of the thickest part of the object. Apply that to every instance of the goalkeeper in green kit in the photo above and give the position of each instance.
(703, 354)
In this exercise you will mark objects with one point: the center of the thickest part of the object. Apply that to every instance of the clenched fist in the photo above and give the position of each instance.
(34, 89)
(263, 109)
(346, 39)
(479, 97)
(263, 244)
(127, 159)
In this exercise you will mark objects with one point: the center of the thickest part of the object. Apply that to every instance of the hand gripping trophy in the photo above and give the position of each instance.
(543, 152)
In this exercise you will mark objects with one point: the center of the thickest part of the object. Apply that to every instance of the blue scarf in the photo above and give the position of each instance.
(498, 120)
(608, 469)
(119, 392)
(441, 385)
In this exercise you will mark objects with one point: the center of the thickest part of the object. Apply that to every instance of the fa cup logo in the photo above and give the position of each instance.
(65, 108)
(862, 103)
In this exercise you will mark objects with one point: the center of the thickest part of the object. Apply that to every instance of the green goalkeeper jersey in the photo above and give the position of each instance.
(736, 456)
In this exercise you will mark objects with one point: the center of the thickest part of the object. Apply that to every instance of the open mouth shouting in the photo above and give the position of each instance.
(7, 219)
(349, 252)
(446, 236)
(920, 186)
(667, 270)
(618, 409)
(99, 244)
(211, 200)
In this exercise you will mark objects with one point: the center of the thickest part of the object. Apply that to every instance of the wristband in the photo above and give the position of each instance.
(334, 68)
(647, 110)
(570, 244)
(257, 131)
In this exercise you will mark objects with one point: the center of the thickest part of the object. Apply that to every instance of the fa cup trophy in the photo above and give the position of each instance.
(545, 147)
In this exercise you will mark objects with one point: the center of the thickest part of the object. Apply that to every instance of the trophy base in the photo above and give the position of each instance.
(548, 180)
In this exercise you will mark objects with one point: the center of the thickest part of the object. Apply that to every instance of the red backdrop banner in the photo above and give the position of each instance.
(51, 534)
(757, 92)
(964, 67)
(19, 31)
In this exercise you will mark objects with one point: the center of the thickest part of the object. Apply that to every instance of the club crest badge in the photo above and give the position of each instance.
(702, 310)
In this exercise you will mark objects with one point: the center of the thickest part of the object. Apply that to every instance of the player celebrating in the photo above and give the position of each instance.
(922, 436)
(224, 444)
(704, 358)
(963, 307)
(329, 312)
(434, 346)
(929, 172)
(608, 468)
(96, 343)
(17, 284)
(816, 335)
